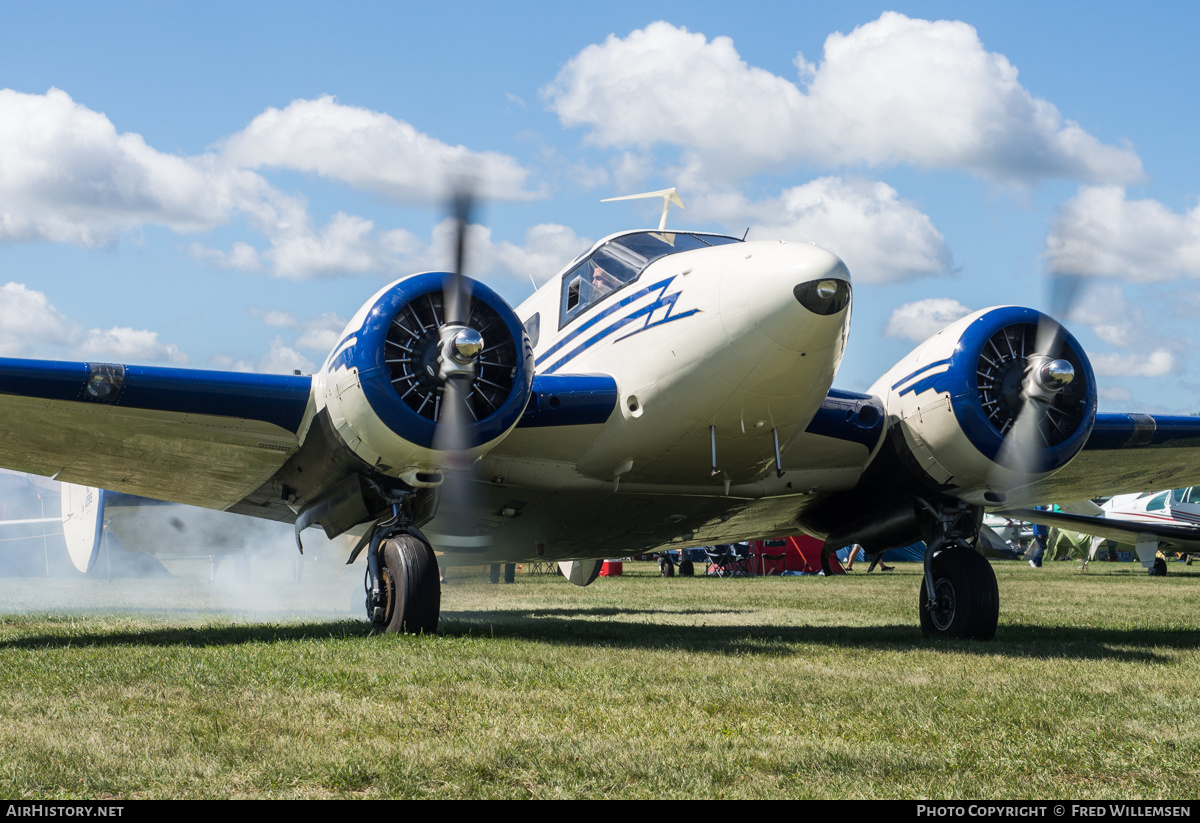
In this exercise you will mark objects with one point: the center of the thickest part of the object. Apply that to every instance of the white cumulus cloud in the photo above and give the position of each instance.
(1114, 396)
(546, 249)
(881, 237)
(1113, 317)
(30, 326)
(67, 175)
(1157, 363)
(1101, 232)
(893, 91)
(283, 359)
(242, 256)
(125, 345)
(28, 321)
(922, 319)
(1141, 348)
(368, 150)
(315, 333)
(352, 245)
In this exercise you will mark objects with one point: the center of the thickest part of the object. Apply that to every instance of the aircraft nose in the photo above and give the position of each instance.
(788, 291)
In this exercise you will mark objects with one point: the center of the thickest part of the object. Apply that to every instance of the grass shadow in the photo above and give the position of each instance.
(198, 636)
(578, 627)
(555, 626)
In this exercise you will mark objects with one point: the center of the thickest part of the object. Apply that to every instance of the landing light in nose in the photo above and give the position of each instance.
(824, 297)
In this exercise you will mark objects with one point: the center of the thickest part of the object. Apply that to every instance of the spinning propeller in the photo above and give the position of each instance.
(451, 358)
(1033, 387)
(470, 378)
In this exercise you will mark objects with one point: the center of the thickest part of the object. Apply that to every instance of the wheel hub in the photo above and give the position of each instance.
(941, 611)
(381, 610)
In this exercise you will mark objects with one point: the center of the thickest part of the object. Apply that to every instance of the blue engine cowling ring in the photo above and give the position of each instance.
(367, 350)
(961, 383)
(968, 404)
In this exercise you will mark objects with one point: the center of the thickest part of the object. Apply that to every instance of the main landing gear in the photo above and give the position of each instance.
(404, 593)
(966, 602)
(959, 597)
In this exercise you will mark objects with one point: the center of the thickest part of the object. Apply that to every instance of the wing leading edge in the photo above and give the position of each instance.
(205, 438)
(1125, 453)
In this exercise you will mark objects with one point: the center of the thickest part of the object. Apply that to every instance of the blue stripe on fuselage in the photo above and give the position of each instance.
(647, 311)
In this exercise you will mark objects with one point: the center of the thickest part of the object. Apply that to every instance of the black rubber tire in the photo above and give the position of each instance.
(1159, 569)
(411, 587)
(687, 568)
(973, 607)
(665, 567)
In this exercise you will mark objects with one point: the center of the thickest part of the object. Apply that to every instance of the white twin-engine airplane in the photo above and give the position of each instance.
(667, 389)
(1144, 523)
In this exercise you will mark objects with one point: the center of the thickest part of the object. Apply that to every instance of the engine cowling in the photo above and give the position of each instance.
(384, 386)
(996, 401)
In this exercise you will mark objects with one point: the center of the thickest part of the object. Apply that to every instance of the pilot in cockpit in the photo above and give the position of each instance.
(602, 281)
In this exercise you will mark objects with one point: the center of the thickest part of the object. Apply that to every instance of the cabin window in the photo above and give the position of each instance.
(1159, 502)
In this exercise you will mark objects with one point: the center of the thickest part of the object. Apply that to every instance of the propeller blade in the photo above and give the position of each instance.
(1038, 425)
(456, 292)
(461, 348)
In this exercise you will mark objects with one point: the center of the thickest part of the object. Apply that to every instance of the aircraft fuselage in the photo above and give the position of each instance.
(720, 366)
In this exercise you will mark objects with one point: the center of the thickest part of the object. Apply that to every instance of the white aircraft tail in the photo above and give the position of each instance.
(83, 523)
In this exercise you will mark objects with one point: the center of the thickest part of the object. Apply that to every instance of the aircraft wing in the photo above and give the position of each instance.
(1185, 538)
(205, 438)
(1124, 453)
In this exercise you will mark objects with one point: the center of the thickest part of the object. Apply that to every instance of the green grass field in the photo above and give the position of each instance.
(634, 687)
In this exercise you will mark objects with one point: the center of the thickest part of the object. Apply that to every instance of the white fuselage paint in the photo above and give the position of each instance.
(744, 357)
(717, 341)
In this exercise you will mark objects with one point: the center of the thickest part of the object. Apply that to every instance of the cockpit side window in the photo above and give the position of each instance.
(620, 261)
(577, 292)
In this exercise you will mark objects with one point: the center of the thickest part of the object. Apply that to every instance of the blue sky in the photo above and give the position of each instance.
(222, 185)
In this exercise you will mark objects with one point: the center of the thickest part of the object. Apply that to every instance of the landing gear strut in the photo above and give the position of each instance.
(959, 597)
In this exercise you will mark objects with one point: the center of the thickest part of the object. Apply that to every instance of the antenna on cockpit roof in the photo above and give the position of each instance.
(669, 196)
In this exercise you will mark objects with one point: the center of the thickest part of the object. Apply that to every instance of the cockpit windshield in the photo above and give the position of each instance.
(1191, 494)
(619, 261)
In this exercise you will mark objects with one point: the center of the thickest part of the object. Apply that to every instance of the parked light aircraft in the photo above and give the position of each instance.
(665, 390)
(1147, 523)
